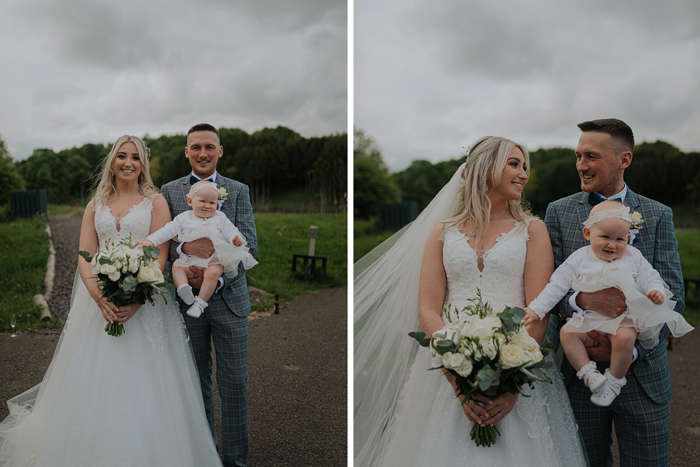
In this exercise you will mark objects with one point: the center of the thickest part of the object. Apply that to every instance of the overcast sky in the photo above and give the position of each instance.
(79, 71)
(432, 77)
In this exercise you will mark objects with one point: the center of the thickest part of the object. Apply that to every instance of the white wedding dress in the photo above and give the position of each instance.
(430, 427)
(133, 400)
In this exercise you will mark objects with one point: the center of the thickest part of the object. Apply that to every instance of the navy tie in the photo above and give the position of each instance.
(595, 198)
(194, 180)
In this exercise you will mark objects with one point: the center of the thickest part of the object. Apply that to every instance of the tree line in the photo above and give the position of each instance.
(659, 171)
(272, 162)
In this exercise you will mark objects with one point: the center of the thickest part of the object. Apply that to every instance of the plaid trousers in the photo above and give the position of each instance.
(225, 323)
(641, 412)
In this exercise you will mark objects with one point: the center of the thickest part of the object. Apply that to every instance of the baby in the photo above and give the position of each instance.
(609, 262)
(204, 220)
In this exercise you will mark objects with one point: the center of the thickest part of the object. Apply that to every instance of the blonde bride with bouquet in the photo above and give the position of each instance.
(477, 239)
(112, 399)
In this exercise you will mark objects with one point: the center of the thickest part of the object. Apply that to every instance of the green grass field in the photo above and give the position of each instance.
(689, 250)
(24, 249)
(281, 235)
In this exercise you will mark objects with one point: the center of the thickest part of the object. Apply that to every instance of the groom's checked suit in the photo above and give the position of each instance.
(225, 321)
(641, 412)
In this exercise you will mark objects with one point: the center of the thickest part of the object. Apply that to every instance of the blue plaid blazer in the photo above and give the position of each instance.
(656, 241)
(238, 209)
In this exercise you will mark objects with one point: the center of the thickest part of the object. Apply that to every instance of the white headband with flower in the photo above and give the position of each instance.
(199, 186)
(620, 213)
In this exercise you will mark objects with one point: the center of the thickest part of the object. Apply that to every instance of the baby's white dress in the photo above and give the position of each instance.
(219, 229)
(583, 271)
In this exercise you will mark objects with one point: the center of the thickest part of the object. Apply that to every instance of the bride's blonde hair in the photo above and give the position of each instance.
(105, 186)
(485, 163)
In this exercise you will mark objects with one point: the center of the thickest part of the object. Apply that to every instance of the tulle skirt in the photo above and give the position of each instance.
(133, 400)
(642, 314)
(432, 429)
(226, 254)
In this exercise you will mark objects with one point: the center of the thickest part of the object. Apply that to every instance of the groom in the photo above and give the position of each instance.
(641, 411)
(225, 321)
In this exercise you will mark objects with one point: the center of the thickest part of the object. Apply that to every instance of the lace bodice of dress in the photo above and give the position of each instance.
(136, 222)
(501, 281)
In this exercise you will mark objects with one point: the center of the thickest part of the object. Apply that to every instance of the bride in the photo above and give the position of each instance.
(113, 401)
(476, 235)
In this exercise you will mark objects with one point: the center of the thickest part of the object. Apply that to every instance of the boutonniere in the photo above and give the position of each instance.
(635, 226)
(223, 194)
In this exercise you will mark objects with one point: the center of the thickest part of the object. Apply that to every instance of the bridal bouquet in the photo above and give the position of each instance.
(127, 274)
(490, 353)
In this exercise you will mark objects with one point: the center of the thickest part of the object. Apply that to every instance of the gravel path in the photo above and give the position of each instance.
(297, 367)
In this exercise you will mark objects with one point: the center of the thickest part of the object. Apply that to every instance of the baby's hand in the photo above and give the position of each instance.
(145, 243)
(237, 241)
(530, 316)
(656, 296)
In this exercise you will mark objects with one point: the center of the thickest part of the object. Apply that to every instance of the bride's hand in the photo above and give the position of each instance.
(108, 309)
(124, 313)
(476, 413)
(502, 405)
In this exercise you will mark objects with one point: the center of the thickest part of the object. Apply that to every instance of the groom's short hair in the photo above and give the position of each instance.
(620, 132)
(203, 127)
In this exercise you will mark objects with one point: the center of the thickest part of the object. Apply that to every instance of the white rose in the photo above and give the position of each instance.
(134, 265)
(114, 276)
(488, 347)
(465, 368)
(97, 269)
(108, 269)
(525, 340)
(511, 356)
(148, 273)
(483, 328)
(534, 356)
(452, 360)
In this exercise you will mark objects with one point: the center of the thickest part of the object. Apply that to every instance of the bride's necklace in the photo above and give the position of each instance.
(481, 248)
(121, 214)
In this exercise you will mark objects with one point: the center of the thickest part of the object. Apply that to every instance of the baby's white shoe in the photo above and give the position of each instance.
(590, 376)
(609, 391)
(185, 293)
(197, 308)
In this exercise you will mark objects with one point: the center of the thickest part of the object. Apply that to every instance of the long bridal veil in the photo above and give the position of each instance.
(385, 311)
